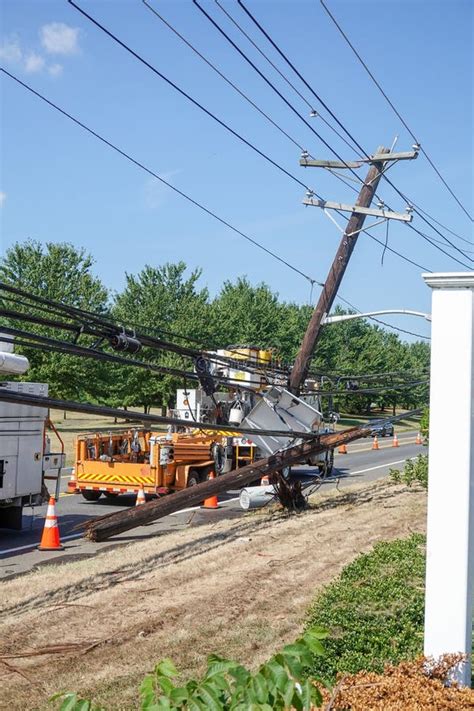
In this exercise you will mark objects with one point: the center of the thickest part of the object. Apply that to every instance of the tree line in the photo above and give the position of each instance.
(168, 301)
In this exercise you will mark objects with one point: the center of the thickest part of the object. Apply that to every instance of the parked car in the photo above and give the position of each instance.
(382, 430)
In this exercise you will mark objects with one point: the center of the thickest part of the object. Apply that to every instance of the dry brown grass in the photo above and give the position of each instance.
(238, 588)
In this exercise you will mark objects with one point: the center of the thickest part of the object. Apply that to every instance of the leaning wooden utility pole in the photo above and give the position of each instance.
(336, 272)
(100, 529)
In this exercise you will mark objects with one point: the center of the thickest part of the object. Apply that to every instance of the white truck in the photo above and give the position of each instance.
(25, 458)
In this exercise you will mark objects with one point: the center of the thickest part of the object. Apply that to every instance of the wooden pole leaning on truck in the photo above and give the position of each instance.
(334, 277)
(99, 529)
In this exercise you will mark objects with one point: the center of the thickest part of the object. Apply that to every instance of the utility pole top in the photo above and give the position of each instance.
(336, 273)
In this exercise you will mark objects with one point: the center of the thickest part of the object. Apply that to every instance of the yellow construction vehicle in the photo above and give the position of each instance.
(125, 462)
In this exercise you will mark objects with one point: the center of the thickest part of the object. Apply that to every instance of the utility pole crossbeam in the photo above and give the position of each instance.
(387, 214)
(308, 162)
(336, 273)
(313, 163)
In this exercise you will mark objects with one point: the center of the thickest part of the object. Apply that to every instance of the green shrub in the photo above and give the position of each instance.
(415, 472)
(278, 684)
(373, 611)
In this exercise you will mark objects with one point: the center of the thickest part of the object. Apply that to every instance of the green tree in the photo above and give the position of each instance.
(166, 303)
(61, 272)
(245, 314)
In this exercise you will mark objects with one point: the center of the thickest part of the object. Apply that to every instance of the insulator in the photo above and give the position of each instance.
(122, 342)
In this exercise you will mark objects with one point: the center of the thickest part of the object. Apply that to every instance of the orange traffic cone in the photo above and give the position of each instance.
(50, 538)
(140, 497)
(376, 443)
(418, 439)
(395, 441)
(342, 449)
(211, 502)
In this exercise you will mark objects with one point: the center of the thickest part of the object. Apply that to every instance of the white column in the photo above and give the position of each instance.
(450, 529)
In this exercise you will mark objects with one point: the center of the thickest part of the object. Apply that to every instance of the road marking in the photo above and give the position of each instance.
(35, 545)
(196, 508)
(380, 466)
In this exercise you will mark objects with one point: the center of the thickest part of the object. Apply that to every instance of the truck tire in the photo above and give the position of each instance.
(112, 495)
(91, 495)
(194, 478)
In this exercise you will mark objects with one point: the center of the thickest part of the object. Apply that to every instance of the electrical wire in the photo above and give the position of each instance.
(394, 109)
(223, 124)
(223, 76)
(213, 22)
(134, 326)
(104, 328)
(294, 141)
(274, 66)
(53, 403)
(181, 193)
(370, 391)
(464, 251)
(322, 102)
(162, 180)
(377, 376)
(187, 96)
(51, 345)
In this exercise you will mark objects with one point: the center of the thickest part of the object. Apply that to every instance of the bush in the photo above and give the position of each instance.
(374, 611)
(278, 684)
(415, 472)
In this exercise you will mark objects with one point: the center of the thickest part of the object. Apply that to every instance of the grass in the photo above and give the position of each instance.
(374, 610)
(238, 587)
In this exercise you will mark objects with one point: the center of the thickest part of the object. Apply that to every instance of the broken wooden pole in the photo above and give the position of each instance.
(100, 529)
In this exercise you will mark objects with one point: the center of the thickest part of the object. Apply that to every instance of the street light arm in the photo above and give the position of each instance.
(347, 317)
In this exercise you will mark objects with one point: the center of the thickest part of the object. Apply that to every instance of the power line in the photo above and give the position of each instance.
(213, 22)
(162, 180)
(103, 329)
(225, 125)
(377, 84)
(369, 391)
(432, 239)
(208, 211)
(223, 76)
(273, 65)
(184, 195)
(270, 84)
(187, 197)
(187, 96)
(440, 224)
(322, 102)
(222, 123)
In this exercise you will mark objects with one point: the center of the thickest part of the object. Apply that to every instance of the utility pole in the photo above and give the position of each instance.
(336, 272)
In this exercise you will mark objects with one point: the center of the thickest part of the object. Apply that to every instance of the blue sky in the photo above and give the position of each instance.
(60, 184)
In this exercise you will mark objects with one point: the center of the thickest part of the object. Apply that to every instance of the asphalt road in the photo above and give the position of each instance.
(18, 548)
